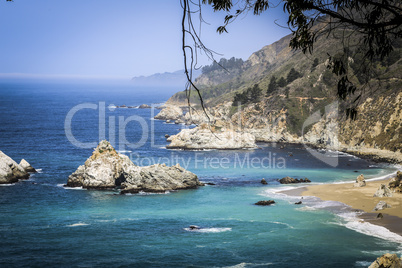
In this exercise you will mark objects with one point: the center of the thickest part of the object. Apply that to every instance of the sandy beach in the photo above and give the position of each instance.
(361, 198)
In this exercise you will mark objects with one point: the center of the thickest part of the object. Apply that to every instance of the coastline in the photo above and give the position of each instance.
(360, 200)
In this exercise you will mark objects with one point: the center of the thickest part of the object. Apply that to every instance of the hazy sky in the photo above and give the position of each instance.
(119, 38)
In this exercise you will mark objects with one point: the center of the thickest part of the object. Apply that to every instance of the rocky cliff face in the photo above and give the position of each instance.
(106, 169)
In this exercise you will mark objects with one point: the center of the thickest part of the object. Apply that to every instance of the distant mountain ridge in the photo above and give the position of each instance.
(168, 79)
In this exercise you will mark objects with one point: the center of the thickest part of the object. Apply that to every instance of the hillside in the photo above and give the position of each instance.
(174, 79)
(281, 89)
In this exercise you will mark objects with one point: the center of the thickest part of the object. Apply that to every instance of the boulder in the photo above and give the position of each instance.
(203, 138)
(360, 181)
(106, 169)
(395, 184)
(10, 171)
(170, 113)
(26, 166)
(383, 191)
(265, 203)
(298, 203)
(381, 205)
(387, 261)
(263, 181)
(144, 106)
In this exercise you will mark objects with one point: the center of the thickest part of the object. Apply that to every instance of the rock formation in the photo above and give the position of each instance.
(383, 191)
(360, 181)
(265, 203)
(106, 169)
(289, 180)
(26, 166)
(395, 184)
(170, 112)
(10, 171)
(144, 106)
(202, 138)
(387, 261)
(263, 181)
(381, 205)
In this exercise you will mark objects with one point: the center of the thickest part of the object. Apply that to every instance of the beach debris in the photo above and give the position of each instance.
(289, 180)
(387, 261)
(265, 203)
(383, 191)
(194, 227)
(263, 181)
(380, 216)
(395, 184)
(381, 205)
(298, 203)
(360, 181)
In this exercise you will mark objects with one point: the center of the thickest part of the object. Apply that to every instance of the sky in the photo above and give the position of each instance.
(117, 39)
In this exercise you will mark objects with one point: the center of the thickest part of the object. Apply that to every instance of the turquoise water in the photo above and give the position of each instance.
(45, 224)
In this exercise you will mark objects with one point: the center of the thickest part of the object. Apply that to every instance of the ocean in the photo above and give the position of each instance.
(43, 223)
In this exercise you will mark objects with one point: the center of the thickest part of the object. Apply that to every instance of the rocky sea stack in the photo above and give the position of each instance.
(107, 169)
(10, 171)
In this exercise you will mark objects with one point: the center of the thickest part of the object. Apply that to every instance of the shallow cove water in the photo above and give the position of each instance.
(43, 223)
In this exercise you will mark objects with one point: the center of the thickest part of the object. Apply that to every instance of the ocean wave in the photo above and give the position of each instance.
(7, 184)
(351, 221)
(246, 265)
(39, 170)
(123, 151)
(363, 263)
(77, 224)
(208, 230)
(69, 188)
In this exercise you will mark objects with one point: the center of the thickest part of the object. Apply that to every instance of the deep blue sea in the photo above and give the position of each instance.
(43, 224)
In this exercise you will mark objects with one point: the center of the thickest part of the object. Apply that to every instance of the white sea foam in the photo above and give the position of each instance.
(39, 170)
(11, 184)
(77, 224)
(363, 263)
(209, 230)
(247, 265)
(123, 151)
(70, 188)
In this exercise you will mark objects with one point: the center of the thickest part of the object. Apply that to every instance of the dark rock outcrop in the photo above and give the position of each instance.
(263, 181)
(106, 169)
(10, 171)
(289, 180)
(144, 106)
(265, 203)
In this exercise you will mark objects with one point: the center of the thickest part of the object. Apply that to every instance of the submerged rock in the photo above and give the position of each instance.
(383, 191)
(106, 169)
(360, 181)
(265, 203)
(381, 205)
(26, 166)
(387, 261)
(203, 138)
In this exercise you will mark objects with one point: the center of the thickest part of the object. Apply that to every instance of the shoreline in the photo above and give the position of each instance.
(359, 200)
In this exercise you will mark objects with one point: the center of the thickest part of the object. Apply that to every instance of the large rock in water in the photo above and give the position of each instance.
(26, 166)
(289, 180)
(203, 138)
(10, 171)
(107, 169)
(387, 261)
(170, 113)
(360, 181)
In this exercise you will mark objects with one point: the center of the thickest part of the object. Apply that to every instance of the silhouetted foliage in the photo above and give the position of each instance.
(315, 63)
(282, 82)
(272, 86)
